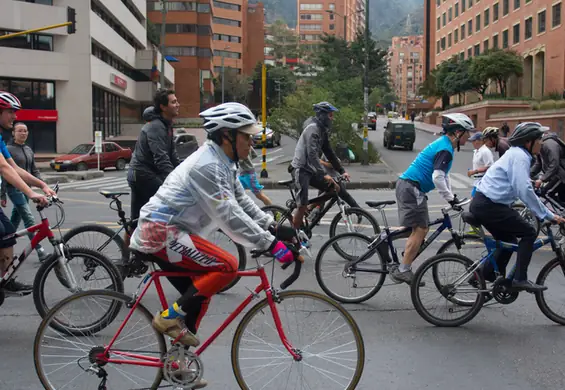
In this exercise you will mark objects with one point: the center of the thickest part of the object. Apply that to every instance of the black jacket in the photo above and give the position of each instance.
(154, 154)
(549, 160)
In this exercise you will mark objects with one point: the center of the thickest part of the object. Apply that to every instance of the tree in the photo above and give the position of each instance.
(236, 87)
(497, 65)
(282, 74)
(429, 87)
(284, 41)
(152, 34)
(382, 97)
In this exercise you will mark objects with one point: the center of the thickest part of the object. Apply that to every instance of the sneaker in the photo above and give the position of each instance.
(393, 270)
(16, 289)
(313, 214)
(173, 328)
(43, 255)
(404, 277)
(201, 384)
(527, 285)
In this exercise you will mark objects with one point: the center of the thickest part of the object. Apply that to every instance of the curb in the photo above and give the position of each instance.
(65, 177)
(271, 184)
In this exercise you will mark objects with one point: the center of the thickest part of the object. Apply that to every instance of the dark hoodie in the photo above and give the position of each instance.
(155, 154)
(549, 159)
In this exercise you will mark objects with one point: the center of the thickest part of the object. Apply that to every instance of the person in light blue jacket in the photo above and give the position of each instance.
(507, 180)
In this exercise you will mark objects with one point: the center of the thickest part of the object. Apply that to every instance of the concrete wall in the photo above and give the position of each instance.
(17, 15)
(125, 17)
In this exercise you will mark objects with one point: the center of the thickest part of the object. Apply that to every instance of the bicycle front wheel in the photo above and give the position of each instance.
(551, 300)
(89, 269)
(260, 360)
(345, 283)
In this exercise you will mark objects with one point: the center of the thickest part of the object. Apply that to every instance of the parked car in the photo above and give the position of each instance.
(399, 133)
(186, 144)
(372, 123)
(273, 138)
(83, 157)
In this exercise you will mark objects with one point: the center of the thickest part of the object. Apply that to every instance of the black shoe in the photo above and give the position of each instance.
(527, 285)
(15, 288)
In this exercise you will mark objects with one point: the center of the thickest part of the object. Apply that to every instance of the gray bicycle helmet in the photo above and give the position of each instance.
(324, 107)
(457, 121)
(525, 132)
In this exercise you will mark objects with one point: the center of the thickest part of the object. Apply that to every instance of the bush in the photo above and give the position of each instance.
(560, 104)
(548, 105)
(535, 106)
(553, 95)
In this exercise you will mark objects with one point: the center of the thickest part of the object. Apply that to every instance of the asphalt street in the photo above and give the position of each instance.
(507, 347)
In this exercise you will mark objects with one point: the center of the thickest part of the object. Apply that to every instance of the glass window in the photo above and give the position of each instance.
(478, 23)
(203, 8)
(485, 45)
(456, 36)
(456, 9)
(469, 52)
(443, 43)
(528, 27)
(221, 4)
(28, 41)
(477, 49)
(495, 12)
(462, 31)
(495, 41)
(450, 14)
(438, 23)
(332, 27)
(463, 5)
(23, 90)
(505, 39)
(437, 47)
(44, 2)
(516, 4)
(449, 37)
(556, 15)
(444, 19)
(505, 7)
(227, 22)
(487, 17)
(541, 22)
(516, 34)
(470, 27)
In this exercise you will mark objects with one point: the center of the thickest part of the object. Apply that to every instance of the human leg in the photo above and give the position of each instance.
(13, 287)
(22, 212)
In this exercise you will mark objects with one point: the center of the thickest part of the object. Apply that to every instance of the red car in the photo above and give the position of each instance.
(83, 157)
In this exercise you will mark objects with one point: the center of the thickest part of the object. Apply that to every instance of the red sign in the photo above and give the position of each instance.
(37, 115)
(118, 81)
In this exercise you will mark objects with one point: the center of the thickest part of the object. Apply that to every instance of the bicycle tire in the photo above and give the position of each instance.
(262, 305)
(44, 325)
(41, 277)
(415, 291)
(540, 296)
(278, 209)
(327, 290)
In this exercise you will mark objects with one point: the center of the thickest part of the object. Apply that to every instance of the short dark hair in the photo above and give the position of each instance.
(161, 97)
(18, 124)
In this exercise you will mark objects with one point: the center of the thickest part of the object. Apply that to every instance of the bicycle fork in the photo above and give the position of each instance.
(65, 269)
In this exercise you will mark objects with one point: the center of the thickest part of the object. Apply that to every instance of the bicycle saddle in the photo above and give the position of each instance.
(470, 219)
(285, 182)
(374, 204)
(112, 194)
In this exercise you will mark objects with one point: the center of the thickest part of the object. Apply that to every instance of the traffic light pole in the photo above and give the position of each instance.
(17, 34)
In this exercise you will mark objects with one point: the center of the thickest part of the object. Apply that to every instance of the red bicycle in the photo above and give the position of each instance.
(74, 269)
(106, 347)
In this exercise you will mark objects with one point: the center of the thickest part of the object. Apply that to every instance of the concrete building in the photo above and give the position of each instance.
(73, 85)
(532, 28)
(199, 35)
(343, 18)
(405, 66)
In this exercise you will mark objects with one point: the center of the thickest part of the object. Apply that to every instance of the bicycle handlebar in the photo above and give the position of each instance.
(298, 260)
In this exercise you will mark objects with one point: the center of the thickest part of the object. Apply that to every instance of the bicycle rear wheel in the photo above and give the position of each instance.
(254, 359)
(366, 278)
(61, 361)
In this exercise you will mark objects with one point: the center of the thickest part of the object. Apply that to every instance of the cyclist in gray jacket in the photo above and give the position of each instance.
(306, 167)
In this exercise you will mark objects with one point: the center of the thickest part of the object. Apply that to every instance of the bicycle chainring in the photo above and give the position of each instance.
(182, 368)
(502, 291)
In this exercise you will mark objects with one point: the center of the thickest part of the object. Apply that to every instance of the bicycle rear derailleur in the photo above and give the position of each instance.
(182, 368)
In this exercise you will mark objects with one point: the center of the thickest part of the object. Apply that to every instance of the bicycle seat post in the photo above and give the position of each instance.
(383, 214)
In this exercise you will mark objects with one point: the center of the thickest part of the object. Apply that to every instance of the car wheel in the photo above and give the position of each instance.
(384, 142)
(82, 167)
(121, 164)
(389, 144)
(411, 147)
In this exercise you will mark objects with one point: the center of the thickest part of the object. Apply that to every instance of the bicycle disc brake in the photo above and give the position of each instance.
(501, 291)
(181, 368)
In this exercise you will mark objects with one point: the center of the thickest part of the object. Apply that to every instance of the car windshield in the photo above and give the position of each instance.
(81, 149)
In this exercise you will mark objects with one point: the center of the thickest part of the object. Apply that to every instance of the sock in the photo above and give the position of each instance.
(404, 267)
(173, 312)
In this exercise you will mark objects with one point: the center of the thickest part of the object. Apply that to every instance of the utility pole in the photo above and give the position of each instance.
(223, 77)
(163, 25)
(365, 160)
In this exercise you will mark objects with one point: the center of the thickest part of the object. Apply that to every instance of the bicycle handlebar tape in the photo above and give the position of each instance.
(295, 274)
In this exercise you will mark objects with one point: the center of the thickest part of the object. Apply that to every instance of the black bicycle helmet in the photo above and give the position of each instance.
(525, 132)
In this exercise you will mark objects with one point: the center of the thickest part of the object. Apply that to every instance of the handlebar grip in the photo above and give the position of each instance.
(295, 274)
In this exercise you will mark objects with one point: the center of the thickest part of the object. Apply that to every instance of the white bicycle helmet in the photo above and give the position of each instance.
(490, 132)
(8, 100)
(457, 121)
(233, 116)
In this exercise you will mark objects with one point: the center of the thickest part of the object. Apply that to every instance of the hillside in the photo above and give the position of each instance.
(387, 18)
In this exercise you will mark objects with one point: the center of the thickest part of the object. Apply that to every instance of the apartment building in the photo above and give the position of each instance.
(533, 28)
(202, 34)
(343, 18)
(404, 62)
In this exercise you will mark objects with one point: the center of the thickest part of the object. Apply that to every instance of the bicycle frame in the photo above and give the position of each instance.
(154, 277)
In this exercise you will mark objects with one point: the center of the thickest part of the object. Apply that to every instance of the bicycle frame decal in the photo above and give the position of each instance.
(149, 361)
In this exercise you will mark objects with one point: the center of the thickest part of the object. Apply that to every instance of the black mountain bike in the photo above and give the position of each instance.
(351, 218)
(353, 268)
(110, 243)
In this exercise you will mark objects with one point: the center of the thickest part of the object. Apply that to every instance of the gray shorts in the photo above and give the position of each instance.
(412, 205)
(302, 180)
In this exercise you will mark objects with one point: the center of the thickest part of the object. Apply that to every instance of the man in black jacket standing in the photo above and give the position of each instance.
(155, 155)
(548, 167)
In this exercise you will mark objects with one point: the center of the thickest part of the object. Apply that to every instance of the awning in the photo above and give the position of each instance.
(171, 59)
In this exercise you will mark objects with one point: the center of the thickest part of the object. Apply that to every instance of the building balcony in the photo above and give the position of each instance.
(144, 61)
(20, 16)
(24, 63)
(111, 40)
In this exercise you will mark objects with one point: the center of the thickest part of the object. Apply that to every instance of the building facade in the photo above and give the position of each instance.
(342, 18)
(533, 28)
(203, 35)
(406, 70)
(73, 85)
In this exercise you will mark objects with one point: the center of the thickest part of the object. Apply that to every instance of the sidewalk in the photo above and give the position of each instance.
(51, 177)
(433, 129)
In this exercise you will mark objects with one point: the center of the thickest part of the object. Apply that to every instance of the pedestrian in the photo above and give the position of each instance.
(154, 155)
(248, 178)
(25, 159)
(413, 116)
(549, 165)
(504, 130)
(483, 158)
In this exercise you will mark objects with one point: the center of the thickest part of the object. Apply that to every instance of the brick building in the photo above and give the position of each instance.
(343, 18)
(533, 28)
(199, 34)
(405, 66)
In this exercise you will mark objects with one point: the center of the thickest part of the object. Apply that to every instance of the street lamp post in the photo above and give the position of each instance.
(223, 74)
(365, 160)
(344, 22)
(163, 25)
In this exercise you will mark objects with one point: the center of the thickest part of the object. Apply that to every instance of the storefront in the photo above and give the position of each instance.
(106, 112)
(39, 111)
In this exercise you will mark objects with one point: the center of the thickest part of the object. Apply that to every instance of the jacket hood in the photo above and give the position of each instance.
(149, 114)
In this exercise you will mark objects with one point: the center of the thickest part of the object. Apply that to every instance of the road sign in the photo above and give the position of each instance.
(98, 141)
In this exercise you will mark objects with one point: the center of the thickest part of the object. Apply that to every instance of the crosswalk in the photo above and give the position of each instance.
(121, 184)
